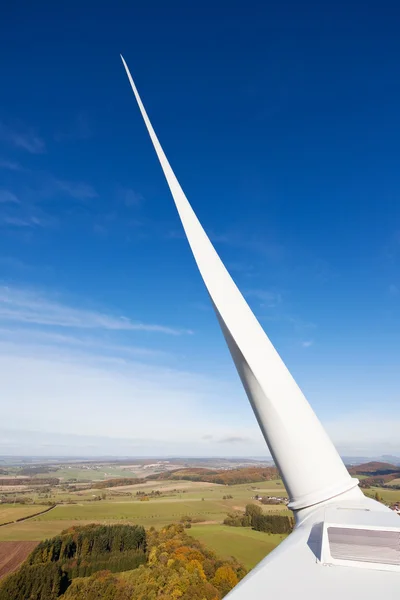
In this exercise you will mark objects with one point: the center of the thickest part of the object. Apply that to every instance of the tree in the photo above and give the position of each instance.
(225, 579)
(252, 511)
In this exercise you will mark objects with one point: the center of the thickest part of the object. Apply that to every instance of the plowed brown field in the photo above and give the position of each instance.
(12, 554)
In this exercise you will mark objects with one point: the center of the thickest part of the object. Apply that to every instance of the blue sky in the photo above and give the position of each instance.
(282, 124)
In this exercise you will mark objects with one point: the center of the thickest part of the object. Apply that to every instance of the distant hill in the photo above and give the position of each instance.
(224, 477)
(374, 468)
(351, 461)
(377, 473)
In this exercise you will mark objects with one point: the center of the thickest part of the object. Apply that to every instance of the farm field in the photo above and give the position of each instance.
(12, 512)
(394, 482)
(12, 554)
(388, 496)
(95, 474)
(248, 546)
(35, 531)
(141, 512)
(122, 504)
(184, 499)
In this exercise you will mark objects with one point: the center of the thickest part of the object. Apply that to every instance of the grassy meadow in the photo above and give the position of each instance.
(388, 496)
(12, 512)
(248, 546)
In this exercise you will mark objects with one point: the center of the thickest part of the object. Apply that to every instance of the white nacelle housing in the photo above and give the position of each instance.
(361, 538)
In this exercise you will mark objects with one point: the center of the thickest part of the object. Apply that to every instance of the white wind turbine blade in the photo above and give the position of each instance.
(344, 544)
(310, 466)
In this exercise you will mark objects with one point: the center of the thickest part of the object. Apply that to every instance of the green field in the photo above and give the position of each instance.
(388, 496)
(12, 512)
(248, 546)
(35, 531)
(152, 512)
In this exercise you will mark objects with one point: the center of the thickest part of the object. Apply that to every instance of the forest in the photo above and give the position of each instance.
(122, 562)
(228, 477)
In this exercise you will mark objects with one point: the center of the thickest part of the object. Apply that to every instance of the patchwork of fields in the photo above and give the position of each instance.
(207, 505)
(200, 501)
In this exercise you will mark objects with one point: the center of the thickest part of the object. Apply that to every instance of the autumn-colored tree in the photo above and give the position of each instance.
(225, 579)
(178, 567)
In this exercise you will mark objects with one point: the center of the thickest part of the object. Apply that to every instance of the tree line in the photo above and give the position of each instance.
(254, 517)
(99, 561)
(117, 481)
(30, 481)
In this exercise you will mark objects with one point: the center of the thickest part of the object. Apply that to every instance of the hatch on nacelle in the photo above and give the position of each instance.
(361, 538)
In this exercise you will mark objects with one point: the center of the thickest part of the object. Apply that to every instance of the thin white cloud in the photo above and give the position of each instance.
(10, 165)
(268, 298)
(29, 337)
(253, 243)
(156, 408)
(307, 343)
(24, 139)
(24, 221)
(24, 306)
(7, 197)
(73, 398)
(74, 189)
(234, 439)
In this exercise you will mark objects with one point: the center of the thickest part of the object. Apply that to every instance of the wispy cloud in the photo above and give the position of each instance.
(113, 398)
(129, 197)
(74, 189)
(23, 138)
(234, 439)
(25, 306)
(46, 338)
(10, 165)
(41, 200)
(307, 343)
(204, 307)
(236, 239)
(25, 217)
(24, 222)
(268, 298)
(254, 243)
(242, 268)
(7, 197)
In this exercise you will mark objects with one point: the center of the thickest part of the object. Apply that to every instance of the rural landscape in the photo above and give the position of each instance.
(129, 525)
